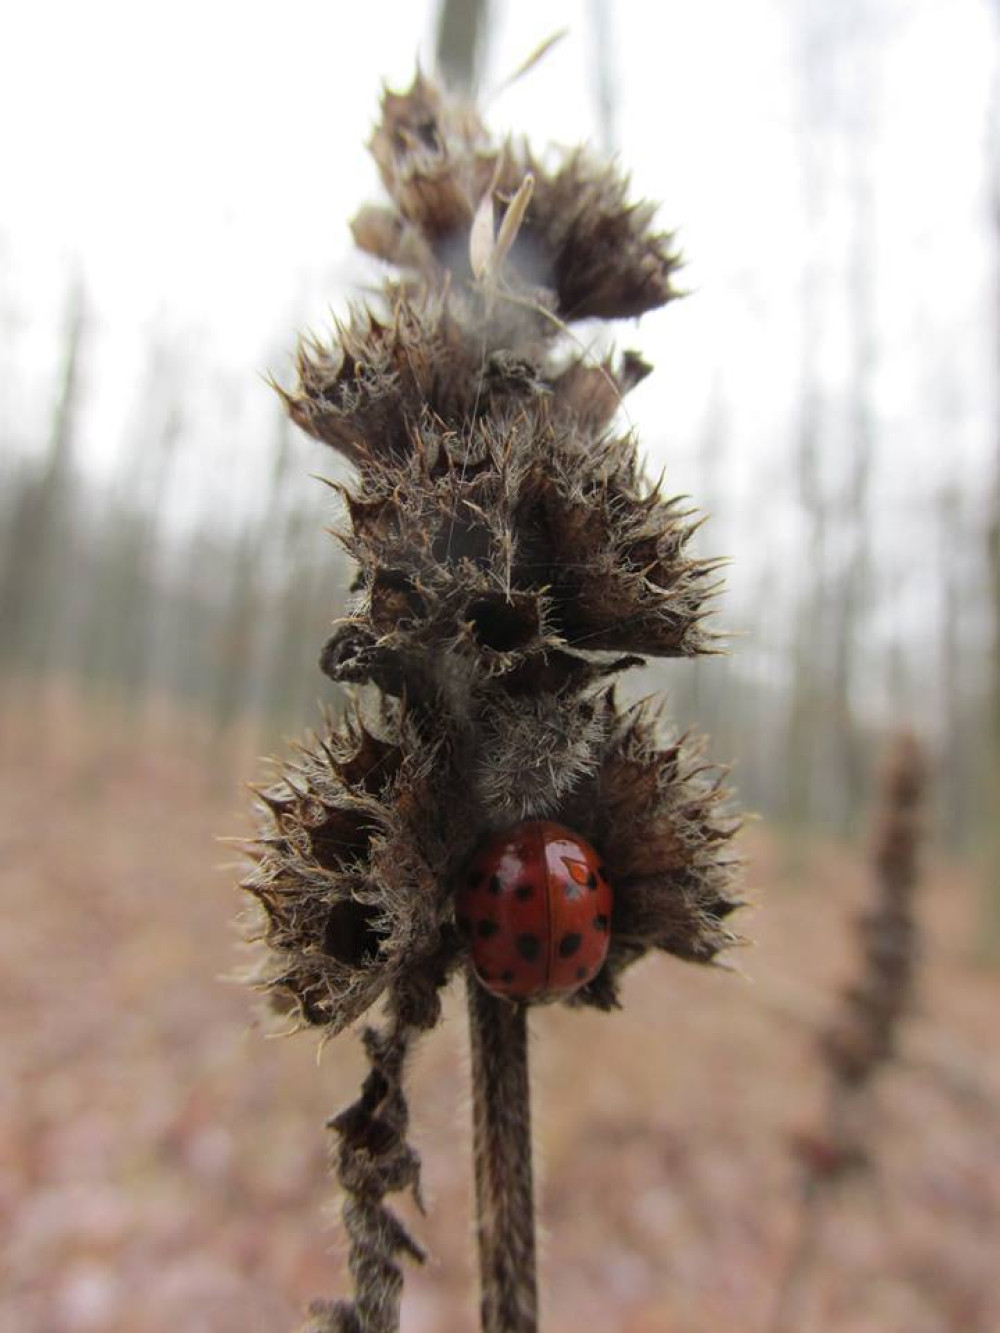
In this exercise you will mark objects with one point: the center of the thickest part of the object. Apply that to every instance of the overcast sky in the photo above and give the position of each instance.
(198, 163)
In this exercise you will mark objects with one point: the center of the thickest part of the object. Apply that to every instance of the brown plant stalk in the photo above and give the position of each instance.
(511, 560)
(505, 1204)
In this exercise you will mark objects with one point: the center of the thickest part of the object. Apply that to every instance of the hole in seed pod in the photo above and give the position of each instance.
(350, 935)
(341, 837)
(427, 132)
(373, 764)
(347, 653)
(461, 539)
(720, 909)
(504, 625)
(394, 600)
(351, 655)
(310, 1008)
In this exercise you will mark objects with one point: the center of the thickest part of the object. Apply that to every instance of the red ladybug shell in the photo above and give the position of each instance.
(535, 905)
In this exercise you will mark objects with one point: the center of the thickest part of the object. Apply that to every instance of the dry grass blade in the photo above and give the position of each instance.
(512, 221)
(528, 64)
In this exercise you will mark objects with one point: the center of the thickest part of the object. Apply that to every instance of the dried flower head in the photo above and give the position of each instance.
(506, 544)
(511, 556)
(580, 239)
(864, 1036)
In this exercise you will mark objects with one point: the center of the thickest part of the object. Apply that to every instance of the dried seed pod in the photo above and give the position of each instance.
(572, 233)
(599, 253)
(435, 159)
(660, 816)
(350, 873)
(506, 542)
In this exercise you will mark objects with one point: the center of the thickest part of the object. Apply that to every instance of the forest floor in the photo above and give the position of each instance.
(162, 1163)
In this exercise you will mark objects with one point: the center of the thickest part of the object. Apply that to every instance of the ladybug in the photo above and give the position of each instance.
(535, 905)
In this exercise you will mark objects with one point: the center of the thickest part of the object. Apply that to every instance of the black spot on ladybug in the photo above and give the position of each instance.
(495, 886)
(487, 929)
(476, 878)
(592, 881)
(569, 944)
(581, 972)
(529, 947)
(601, 922)
(523, 892)
(507, 976)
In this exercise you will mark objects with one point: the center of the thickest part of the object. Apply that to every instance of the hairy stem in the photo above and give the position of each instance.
(374, 1159)
(505, 1208)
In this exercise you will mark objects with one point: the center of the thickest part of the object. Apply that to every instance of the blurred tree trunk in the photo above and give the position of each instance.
(604, 69)
(698, 684)
(235, 632)
(993, 806)
(839, 52)
(43, 522)
(462, 28)
(119, 588)
(852, 595)
(804, 709)
(256, 607)
(953, 786)
(993, 545)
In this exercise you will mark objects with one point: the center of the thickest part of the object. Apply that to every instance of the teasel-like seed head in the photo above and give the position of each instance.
(511, 557)
(864, 1036)
(581, 240)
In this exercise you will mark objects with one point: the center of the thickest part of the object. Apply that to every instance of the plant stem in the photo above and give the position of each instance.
(501, 1119)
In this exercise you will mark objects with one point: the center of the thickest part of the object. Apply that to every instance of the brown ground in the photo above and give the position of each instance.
(162, 1164)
